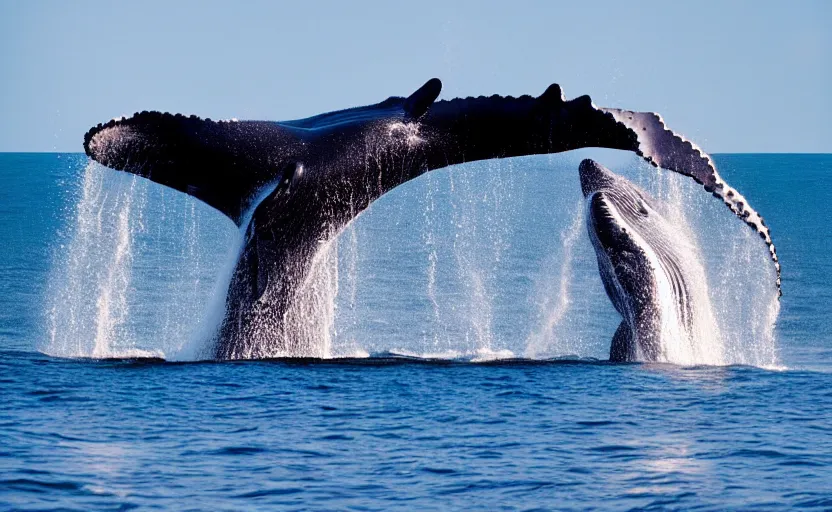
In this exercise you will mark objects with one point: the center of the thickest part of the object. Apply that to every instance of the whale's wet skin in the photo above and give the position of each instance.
(651, 272)
(319, 173)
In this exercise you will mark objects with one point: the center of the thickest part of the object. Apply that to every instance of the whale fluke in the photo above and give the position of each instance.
(293, 185)
(223, 163)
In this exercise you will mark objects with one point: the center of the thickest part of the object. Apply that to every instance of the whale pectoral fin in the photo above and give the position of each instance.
(469, 129)
(224, 164)
(418, 103)
(664, 148)
(621, 349)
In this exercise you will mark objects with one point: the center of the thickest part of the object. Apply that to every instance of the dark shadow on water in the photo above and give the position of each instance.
(377, 360)
(380, 359)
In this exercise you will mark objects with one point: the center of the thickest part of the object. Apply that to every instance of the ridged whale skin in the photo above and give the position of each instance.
(641, 265)
(293, 185)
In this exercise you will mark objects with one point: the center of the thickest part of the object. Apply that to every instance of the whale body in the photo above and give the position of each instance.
(292, 186)
(650, 274)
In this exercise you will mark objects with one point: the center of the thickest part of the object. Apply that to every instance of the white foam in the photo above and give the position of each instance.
(90, 284)
(478, 356)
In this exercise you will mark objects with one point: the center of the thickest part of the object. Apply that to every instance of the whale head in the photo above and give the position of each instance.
(620, 220)
(627, 234)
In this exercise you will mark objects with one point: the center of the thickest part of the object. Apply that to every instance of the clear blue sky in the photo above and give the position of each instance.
(733, 76)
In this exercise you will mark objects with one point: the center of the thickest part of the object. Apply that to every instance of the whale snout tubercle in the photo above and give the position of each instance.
(594, 176)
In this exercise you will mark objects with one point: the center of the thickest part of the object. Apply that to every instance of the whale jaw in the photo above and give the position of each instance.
(639, 265)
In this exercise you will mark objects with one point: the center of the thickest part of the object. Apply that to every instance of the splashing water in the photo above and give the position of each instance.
(480, 205)
(89, 304)
(310, 321)
(554, 308)
(748, 313)
(429, 236)
(136, 273)
(131, 278)
(202, 334)
(345, 286)
(701, 342)
(729, 274)
(469, 262)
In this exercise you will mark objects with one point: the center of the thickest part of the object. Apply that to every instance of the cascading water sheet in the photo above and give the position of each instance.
(498, 264)
(88, 307)
(729, 270)
(557, 297)
(130, 277)
(567, 313)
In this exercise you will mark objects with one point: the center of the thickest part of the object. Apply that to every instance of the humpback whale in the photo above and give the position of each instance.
(293, 185)
(648, 273)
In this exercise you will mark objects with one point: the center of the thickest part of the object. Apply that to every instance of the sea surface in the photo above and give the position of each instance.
(465, 333)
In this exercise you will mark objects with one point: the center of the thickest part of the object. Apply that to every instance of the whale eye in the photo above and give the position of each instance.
(287, 178)
(642, 209)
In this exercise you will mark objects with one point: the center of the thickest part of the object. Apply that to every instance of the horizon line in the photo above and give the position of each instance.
(2, 152)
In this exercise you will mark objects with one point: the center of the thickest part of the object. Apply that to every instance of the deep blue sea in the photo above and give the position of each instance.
(466, 331)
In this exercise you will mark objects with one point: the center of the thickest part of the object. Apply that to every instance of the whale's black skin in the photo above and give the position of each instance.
(634, 248)
(318, 173)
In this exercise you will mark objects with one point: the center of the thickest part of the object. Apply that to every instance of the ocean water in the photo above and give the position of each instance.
(466, 329)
